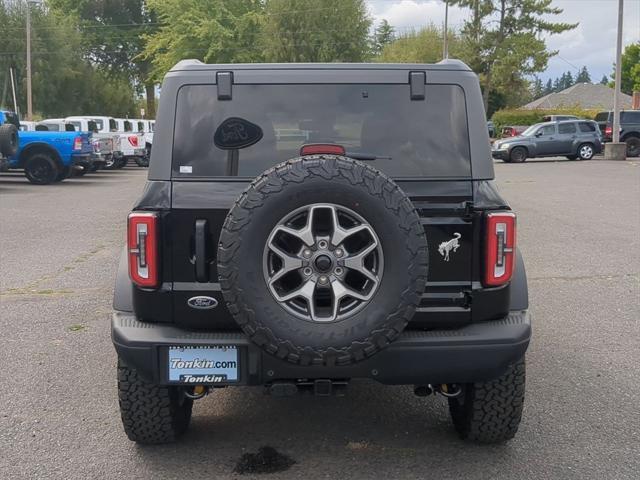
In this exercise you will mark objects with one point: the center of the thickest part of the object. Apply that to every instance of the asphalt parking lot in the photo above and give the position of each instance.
(579, 231)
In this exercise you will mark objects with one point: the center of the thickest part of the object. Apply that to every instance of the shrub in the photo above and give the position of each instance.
(529, 117)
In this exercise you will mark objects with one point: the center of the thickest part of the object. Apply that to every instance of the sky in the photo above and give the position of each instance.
(591, 43)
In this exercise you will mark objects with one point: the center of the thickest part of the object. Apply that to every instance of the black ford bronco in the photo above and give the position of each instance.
(307, 224)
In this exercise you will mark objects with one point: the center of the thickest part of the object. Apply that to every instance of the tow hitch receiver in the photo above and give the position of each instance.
(322, 387)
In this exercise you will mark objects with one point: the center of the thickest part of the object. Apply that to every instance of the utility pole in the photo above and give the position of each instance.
(618, 80)
(615, 150)
(445, 42)
(29, 98)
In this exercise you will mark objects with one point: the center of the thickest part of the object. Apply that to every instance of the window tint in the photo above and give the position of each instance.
(112, 125)
(547, 130)
(409, 138)
(587, 127)
(630, 117)
(566, 128)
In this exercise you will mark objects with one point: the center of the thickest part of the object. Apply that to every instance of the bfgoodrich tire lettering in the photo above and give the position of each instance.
(306, 181)
(490, 412)
(151, 413)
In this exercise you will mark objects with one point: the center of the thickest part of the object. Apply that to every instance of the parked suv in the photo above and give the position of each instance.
(629, 129)
(370, 241)
(573, 139)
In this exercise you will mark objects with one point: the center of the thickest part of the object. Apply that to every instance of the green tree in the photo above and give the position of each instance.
(63, 82)
(214, 31)
(113, 37)
(548, 87)
(583, 76)
(604, 81)
(537, 88)
(630, 69)
(312, 31)
(383, 35)
(420, 46)
(503, 41)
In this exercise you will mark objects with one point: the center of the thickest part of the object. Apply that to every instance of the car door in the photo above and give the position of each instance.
(567, 135)
(545, 140)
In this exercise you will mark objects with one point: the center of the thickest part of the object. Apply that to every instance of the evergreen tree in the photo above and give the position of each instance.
(583, 76)
(604, 81)
(549, 87)
(537, 89)
(505, 40)
(384, 34)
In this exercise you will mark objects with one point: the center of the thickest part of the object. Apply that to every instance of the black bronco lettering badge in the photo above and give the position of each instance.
(235, 133)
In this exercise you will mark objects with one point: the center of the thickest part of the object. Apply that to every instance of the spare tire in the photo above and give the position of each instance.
(8, 140)
(322, 260)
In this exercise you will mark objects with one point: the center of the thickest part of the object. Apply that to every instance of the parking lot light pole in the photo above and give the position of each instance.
(616, 150)
(445, 41)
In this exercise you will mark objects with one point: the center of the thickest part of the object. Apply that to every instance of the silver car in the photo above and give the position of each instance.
(571, 138)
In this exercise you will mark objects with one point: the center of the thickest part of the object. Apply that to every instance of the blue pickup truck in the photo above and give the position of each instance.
(48, 157)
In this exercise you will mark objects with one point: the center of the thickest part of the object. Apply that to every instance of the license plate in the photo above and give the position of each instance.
(210, 364)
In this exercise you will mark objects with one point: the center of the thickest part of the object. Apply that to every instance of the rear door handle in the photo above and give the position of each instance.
(202, 275)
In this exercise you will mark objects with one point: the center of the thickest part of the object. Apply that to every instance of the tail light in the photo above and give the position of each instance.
(77, 143)
(142, 244)
(133, 140)
(500, 246)
(608, 130)
(322, 148)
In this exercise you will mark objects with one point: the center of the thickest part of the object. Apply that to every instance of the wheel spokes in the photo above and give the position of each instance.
(289, 263)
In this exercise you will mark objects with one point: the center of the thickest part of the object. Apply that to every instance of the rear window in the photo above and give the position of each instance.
(630, 117)
(587, 127)
(409, 138)
(566, 128)
(602, 117)
(52, 127)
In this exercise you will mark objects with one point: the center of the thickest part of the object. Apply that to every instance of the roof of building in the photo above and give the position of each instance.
(581, 95)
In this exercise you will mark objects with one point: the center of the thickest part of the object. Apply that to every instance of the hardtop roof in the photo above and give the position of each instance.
(197, 65)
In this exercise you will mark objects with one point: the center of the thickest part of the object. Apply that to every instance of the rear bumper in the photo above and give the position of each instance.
(500, 154)
(476, 352)
(82, 158)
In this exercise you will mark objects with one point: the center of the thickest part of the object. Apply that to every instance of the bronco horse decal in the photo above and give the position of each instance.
(451, 245)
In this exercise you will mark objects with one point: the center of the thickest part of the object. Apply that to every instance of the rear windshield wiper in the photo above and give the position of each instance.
(366, 156)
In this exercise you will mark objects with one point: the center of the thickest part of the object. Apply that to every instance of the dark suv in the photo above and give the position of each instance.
(573, 139)
(629, 129)
(305, 225)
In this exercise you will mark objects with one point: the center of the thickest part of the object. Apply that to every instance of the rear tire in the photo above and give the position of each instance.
(8, 140)
(41, 169)
(633, 146)
(586, 151)
(490, 412)
(151, 414)
(518, 155)
(142, 161)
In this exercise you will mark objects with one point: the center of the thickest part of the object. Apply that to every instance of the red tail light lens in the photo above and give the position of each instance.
(142, 245)
(322, 148)
(500, 247)
(608, 130)
(77, 143)
(133, 141)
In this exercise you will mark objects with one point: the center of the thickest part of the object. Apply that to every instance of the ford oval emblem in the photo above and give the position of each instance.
(202, 303)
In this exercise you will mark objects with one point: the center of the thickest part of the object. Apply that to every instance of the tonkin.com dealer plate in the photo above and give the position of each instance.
(210, 364)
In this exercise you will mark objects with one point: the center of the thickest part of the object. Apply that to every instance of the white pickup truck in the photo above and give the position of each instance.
(104, 143)
(146, 127)
(131, 142)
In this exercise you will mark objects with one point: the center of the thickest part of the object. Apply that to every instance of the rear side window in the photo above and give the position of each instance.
(408, 138)
(587, 127)
(630, 117)
(566, 128)
(602, 117)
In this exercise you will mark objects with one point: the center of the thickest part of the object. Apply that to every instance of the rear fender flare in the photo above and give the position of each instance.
(39, 147)
(123, 291)
(519, 289)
